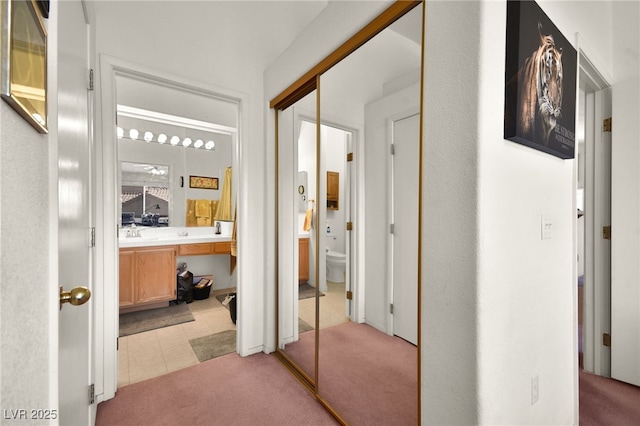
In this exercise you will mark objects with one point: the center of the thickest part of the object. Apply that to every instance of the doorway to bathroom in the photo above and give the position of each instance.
(214, 111)
(335, 237)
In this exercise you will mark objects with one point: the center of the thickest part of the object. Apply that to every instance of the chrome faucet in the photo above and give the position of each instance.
(133, 232)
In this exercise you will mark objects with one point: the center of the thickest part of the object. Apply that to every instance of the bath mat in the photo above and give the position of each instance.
(305, 291)
(214, 345)
(151, 319)
(303, 326)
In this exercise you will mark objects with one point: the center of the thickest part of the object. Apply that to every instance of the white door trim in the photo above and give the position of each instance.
(106, 321)
(595, 310)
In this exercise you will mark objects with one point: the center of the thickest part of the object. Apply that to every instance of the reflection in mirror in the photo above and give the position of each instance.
(297, 150)
(366, 278)
(144, 194)
(378, 86)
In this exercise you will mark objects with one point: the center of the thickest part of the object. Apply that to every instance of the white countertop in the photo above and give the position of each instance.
(162, 236)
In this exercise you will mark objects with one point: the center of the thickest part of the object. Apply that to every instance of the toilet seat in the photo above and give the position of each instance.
(336, 255)
(336, 263)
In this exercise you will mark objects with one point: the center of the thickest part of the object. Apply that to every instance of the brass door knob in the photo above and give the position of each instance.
(76, 296)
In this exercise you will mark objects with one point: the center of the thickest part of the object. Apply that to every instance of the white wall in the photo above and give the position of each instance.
(28, 199)
(499, 302)
(25, 273)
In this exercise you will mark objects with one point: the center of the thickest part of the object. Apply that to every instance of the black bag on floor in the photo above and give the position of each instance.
(232, 307)
(185, 287)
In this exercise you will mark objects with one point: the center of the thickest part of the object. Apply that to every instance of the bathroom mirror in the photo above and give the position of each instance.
(144, 194)
(365, 221)
(190, 133)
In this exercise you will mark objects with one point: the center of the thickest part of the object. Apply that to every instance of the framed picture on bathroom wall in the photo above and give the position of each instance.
(540, 82)
(203, 182)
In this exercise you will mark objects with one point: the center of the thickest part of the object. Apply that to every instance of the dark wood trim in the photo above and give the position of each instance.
(307, 83)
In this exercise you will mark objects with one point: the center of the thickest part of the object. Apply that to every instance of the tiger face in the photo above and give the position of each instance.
(540, 89)
(549, 84)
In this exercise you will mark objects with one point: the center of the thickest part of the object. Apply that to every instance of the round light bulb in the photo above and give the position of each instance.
(162, 138)
(186, 142)
(210, 145)
(148, 136)
(133, 134)
(174, 140)
(120, 132)
(198, 143)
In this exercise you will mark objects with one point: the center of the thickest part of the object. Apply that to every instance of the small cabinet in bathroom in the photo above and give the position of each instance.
(333, 190)
(303, 260)
(147, 275)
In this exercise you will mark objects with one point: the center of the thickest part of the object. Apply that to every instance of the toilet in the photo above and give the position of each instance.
(336, 263)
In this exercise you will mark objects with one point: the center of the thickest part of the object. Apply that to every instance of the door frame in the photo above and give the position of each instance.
(390, 120)
(106, 192)
(354, 240)
(354, 268)
(597, 307)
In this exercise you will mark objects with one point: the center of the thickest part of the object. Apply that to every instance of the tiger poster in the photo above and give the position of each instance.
(540, 82)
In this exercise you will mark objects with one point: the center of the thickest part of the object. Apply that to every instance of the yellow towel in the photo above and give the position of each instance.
(307, 220)
(203, 208)
(191, 213)
(223, 212)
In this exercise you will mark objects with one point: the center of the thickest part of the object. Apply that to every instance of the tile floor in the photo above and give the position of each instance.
(332, 307)
(153, 353)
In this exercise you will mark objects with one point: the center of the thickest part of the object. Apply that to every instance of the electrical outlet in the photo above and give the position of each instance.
(535, 389)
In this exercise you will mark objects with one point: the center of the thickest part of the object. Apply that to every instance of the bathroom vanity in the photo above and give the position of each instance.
(148, 262)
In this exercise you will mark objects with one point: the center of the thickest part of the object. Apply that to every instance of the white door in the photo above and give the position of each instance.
(74, 180)
(406, 176)
(625, 249)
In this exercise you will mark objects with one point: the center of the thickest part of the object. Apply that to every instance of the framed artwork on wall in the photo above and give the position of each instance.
(43, 5)
(540, 82)
(24, 61)
(203, 182)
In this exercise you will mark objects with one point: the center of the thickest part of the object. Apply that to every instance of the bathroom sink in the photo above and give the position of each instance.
(139, 239)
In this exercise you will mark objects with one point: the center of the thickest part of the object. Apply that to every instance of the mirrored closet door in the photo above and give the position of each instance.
(348, 150)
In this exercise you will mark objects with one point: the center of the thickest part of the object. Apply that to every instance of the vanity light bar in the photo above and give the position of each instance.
(174, 120)
(133, 134)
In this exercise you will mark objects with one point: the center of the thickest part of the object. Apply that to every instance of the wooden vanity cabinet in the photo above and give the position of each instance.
(147, 275)
(303, 260)
(333, 190)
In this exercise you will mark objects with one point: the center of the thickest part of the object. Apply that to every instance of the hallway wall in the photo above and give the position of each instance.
(499, 301)
(28, 273)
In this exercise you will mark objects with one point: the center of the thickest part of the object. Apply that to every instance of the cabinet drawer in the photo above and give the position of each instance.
(222, 248)
(195, 249)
